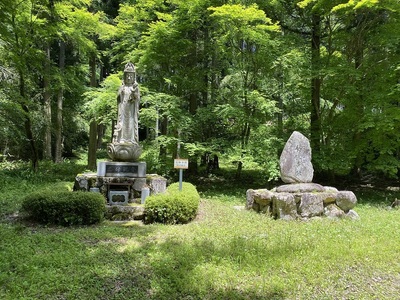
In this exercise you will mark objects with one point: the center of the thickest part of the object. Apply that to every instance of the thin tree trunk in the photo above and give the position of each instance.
(315, 121)
(193, 105)
(47, 107)
(28, 124)
(92, 159)
(163, 150)
(359, 110)
(100, 134)
(60, 99)
(92, 146)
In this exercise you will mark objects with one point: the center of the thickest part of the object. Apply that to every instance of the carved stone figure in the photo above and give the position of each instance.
(125, 143)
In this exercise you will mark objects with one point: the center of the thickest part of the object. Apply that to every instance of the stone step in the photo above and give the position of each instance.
(128, 212)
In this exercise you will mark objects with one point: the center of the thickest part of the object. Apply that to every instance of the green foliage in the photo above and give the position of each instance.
(64, 208)
(213, 74)
(101, 103)
(174, 206)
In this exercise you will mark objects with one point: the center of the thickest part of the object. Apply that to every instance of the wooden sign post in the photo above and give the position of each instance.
(181, 164)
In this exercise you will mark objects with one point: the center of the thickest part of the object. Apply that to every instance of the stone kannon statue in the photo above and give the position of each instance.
(125, 143)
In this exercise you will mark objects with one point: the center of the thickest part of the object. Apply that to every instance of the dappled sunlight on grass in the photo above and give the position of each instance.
(224, 253)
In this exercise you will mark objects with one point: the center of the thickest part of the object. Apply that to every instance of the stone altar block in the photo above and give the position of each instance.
(121, 190)
(121, 169)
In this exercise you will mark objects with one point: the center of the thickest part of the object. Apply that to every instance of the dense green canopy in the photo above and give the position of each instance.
(228, 79)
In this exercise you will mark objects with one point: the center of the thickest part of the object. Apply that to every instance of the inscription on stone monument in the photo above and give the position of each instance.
(127, 170)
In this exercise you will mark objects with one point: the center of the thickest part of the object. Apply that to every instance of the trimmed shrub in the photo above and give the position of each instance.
(173, 206)
(65, 208)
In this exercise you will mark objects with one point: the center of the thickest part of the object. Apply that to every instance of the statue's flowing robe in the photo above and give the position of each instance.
(127, 130)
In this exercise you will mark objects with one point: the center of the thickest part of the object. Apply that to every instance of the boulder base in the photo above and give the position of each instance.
(303, 201)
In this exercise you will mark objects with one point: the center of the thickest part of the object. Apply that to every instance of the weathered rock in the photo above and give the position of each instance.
(139, 184)
(295, 161)
(250, 199)
(311, 205)
(266, 209)
(124, 212)
(261, 196)
(256, 207)
(346, 200)
(285, 206)
(351, 214)
(302, 205)
(301, 198)
(300, 188)
(330, 189)
(332, 211)
(83, 182)
(328, 198)
(156, 183)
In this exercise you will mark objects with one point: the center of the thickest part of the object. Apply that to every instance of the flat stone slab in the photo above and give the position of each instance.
(300, 188)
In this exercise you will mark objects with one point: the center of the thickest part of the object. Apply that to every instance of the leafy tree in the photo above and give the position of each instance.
(362, 123)
(50, 38)
(172, 56)
(19, 28)
(246, 41)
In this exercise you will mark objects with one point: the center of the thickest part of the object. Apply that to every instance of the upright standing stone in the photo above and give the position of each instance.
(295, 161)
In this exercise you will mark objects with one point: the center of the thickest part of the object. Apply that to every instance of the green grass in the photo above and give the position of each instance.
(224, 254)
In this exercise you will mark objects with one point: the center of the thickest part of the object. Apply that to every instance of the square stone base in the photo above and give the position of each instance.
(121, 169)
(131, 188)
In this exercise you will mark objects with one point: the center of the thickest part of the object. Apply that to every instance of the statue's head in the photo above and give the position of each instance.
(129, 74)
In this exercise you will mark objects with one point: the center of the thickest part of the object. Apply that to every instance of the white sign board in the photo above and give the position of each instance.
(181, 163)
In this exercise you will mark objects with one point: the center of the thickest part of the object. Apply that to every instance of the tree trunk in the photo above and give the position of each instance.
(93, 141)
(315, 121)
(163, 150)
(100, 134)
(47, 107)
(28, 124)
(60, 99)
(279, 99)
(359, 110)
(92, 146)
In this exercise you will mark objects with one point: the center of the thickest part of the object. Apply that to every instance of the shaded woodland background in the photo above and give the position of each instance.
(220, 81)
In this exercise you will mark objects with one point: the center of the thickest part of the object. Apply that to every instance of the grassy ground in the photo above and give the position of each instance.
(224, 254)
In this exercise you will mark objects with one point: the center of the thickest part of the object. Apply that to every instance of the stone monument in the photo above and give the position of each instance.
(295, 161)
(300, 198)
(124, 180)
(125, 144)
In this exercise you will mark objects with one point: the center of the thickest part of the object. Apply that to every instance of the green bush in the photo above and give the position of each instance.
(65, 208)
(173, 206)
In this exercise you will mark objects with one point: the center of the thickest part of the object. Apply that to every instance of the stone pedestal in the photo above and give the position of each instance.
(121, 169)
(120, 190)
(303, 201)
(124, 151)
